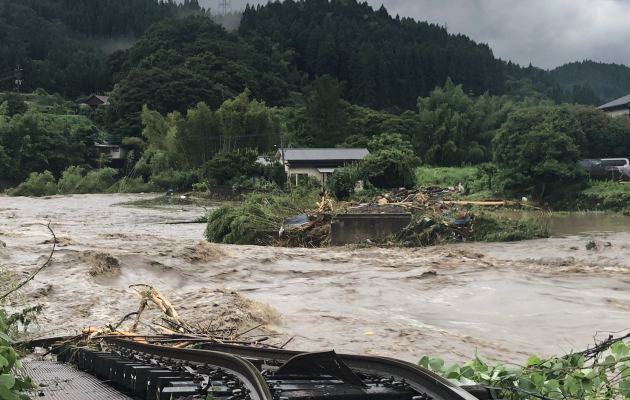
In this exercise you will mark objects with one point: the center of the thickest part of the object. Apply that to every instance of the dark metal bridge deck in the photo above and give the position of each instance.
(66, 383)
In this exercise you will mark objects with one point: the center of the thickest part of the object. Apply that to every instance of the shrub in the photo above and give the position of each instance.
(75, 180)
(71, 180)
(228, 165)
(589, 375)
(177, 180)
(343, 181)
(98, 181)
(132, 185)
(388, 169)
(257, 219)
(384, 169)
(36, 185)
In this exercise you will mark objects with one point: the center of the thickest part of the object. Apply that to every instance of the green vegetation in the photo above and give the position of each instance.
(68, 52)
(390, 164)
(257, 219)
(428, 229)
(537, 151)
(607, 82)
(194, 102)
(610, 196)
(36, 141)
(599, 374)
(445, 176)
(77, 180)
(11, 384)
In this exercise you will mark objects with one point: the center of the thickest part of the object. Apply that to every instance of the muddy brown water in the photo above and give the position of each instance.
(508, 300)
(579, 223)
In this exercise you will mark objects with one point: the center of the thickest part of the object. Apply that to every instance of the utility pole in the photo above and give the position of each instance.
(18, 77)
(225, 6)
(282, 147)
(282, 154)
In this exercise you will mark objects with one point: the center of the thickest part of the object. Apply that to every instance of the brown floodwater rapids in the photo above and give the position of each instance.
(507, 300)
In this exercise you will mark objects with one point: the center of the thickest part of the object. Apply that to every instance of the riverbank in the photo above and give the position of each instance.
(508, 300)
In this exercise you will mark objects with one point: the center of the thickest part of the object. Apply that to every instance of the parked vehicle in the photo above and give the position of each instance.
(612, 169)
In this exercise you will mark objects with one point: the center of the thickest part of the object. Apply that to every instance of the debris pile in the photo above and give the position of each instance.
(430, 228)
(308, 230)
(243, 324)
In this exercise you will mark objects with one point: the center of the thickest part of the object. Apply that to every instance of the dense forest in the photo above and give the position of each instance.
(62, 45)
(185, 91)
(608, 81)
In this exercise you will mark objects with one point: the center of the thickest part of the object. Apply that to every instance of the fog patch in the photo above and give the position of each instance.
(110, 46)
(230, 21)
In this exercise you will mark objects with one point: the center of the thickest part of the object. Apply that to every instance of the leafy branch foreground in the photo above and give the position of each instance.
(12, 385)
(600, 373)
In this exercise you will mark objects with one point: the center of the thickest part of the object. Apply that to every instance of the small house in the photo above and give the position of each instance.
(117, 153)
(97, 100)
(318, 163)
(618, 107)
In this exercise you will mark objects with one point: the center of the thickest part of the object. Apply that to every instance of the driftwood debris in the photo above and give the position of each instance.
(483, 203)
(149, 293)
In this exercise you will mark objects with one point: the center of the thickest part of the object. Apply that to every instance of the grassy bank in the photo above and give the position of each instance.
(445, 177)
(596, 196)
(600, 196)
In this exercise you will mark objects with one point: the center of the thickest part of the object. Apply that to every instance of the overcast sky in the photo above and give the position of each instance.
(547, 33)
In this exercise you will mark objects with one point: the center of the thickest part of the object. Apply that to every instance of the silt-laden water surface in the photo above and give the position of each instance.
(508, 300)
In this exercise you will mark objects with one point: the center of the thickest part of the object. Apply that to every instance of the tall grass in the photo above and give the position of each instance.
(444, 176)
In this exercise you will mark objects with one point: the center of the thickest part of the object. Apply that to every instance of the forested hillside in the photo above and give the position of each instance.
(608, 81)
(195, 101)
(62, 45)
(387, 62)
(181, 62)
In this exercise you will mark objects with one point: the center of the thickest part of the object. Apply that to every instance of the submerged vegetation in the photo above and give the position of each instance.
(257, 219)
(428, 229)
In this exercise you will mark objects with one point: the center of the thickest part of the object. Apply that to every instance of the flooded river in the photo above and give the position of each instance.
(508, 300)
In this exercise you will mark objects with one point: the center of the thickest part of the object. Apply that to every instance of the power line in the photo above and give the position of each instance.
(44, 138)
(7, 77)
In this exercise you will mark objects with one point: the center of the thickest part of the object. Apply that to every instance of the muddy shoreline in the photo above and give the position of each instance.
(507, 300)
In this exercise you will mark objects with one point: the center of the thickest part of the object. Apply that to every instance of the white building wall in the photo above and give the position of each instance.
(619, 113)
(305, 170)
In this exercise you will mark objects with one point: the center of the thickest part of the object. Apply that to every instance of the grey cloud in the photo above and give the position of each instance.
(547, 33)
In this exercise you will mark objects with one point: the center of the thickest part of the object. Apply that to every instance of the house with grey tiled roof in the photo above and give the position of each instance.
(618, 107)
(318, 163)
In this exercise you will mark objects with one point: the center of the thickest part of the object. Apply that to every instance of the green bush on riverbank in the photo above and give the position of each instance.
(590, 196)
(597, 196)
(76, 180)
(258, 218)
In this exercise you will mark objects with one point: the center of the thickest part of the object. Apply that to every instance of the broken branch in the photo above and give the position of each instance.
(30, 278)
